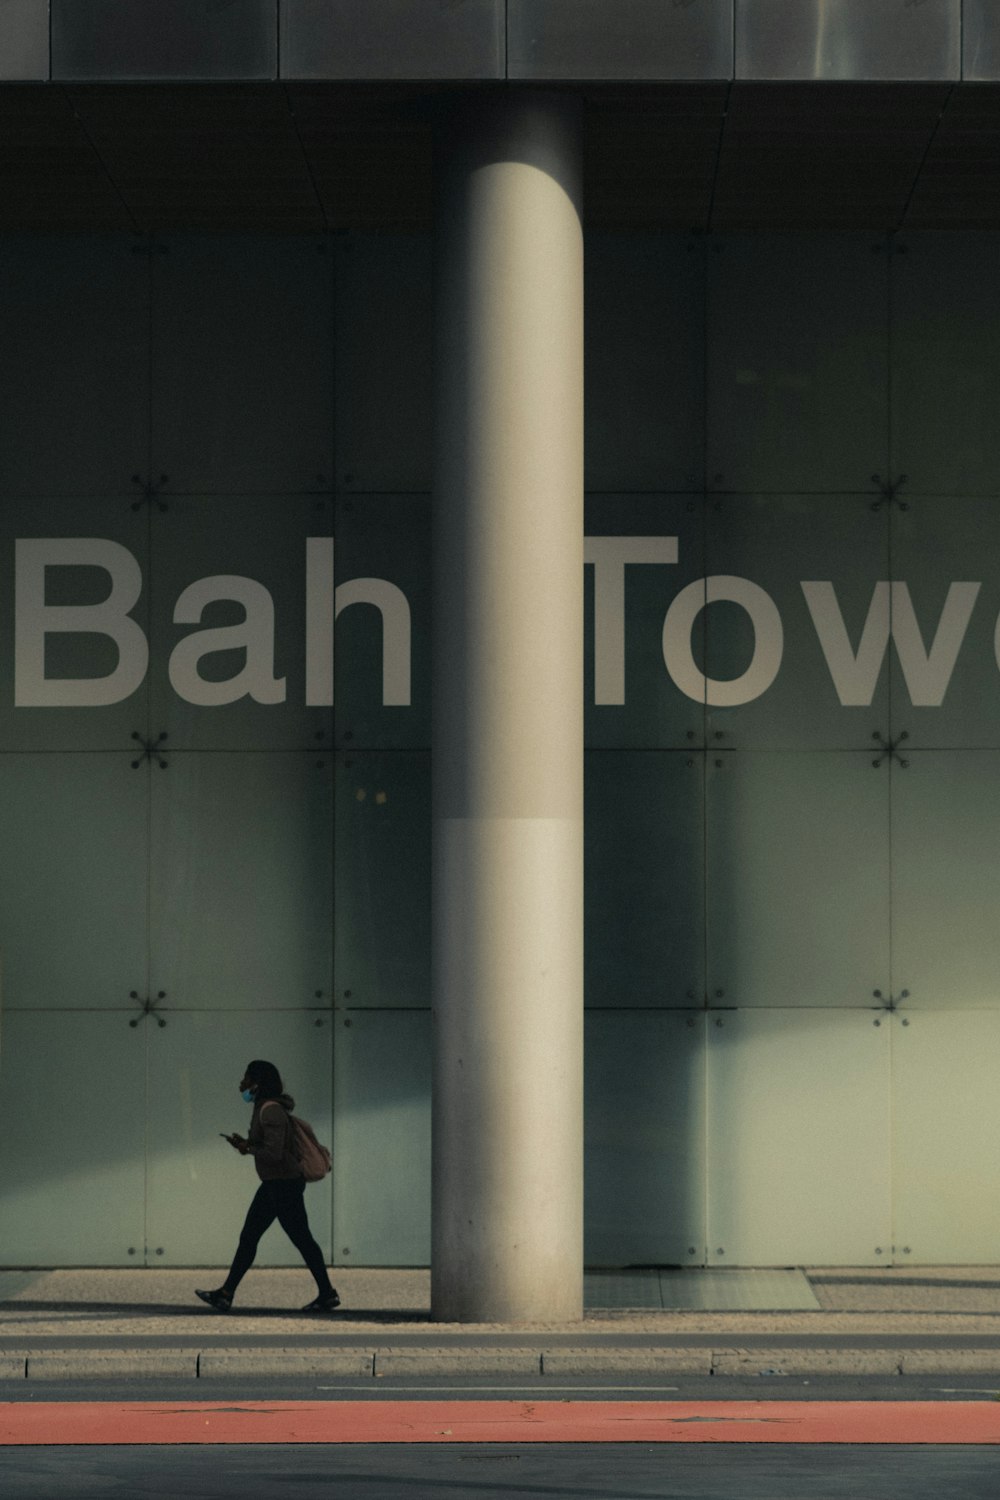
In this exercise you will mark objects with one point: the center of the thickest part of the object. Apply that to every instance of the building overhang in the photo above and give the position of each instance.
(317, 115)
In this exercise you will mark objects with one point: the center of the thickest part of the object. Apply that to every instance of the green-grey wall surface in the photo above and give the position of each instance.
(792, 720)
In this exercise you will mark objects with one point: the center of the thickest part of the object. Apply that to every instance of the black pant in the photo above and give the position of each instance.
(283, 1200)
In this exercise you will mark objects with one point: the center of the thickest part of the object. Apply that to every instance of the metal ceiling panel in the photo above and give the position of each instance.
(220, 157)
(980, 40)
(959, 182)
(24, 39)
(119, 39)
(635, 39)
(405, 39)
(52, 176)
(650, 154)
(368, 152)
(802, 156)
(849, 39)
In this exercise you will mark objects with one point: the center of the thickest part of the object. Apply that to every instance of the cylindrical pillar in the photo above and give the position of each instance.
(508, 713)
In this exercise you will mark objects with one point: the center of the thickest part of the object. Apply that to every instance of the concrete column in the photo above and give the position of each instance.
(508, 713)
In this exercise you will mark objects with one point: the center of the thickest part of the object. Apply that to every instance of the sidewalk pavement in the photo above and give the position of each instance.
(69, 1324)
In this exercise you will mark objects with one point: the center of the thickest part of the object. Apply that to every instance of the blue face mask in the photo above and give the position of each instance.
(247, 1095)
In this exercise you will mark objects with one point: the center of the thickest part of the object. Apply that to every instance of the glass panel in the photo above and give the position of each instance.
(952, 669)
(625, 39)
(854, 39)
(72, 1174)
(630, 699)
(645, 1139)
(798, 1139)
(644, 359)
(105, 39)
(384, 539)
(76, 424)
(73, 829)
(644, 879)
(382, 1139)
(382, 865)
(103, 528)
(946, 364)
(199, 1188)
(945, 904)
(243, 365)
(980, 41)
(384, 339)
(263, 539)
(241, 881)
(798, 879)
(796, 699)
(24, 40)
(391, 39)
(945, 1116)
(796, 363)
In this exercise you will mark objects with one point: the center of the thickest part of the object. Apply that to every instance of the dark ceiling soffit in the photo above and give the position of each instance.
(316, 156)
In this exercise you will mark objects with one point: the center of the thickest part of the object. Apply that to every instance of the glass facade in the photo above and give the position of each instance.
(792, 723)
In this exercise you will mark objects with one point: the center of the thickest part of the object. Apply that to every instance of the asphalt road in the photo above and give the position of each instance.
(256, 1387)
(702, 1471)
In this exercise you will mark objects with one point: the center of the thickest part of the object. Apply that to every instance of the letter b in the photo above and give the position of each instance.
(34, 620)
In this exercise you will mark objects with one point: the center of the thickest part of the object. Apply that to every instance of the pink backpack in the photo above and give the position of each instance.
(314, 1159)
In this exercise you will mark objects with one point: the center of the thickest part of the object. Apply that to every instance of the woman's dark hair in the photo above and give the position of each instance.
(267, 1078)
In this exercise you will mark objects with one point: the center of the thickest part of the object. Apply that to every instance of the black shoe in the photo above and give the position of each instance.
(220, 1300)
(323, 1304)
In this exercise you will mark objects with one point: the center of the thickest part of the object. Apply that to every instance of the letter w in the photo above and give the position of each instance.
(926, 673)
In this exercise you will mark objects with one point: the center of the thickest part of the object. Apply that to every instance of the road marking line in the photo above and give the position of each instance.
(513, 1384)
(513, 1421)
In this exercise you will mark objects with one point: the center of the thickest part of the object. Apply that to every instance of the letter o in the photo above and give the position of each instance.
(769, 641)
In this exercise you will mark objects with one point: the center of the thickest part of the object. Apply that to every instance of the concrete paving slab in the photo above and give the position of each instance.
(328, 1363)
(951, 1362)
(736, 1290)
(805, 1361)
(127, 1364)
(698, 1288)
(899, 1289)
(378, 1289)
(12, 1366)
(618, 1361)
(16, 1283)
(438, 1361)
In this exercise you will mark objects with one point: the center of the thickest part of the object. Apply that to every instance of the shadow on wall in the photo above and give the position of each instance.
(110, 1151)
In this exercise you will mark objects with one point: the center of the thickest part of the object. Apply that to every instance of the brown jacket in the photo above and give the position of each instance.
(271, 1141)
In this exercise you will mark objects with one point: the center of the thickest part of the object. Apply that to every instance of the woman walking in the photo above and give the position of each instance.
(281, 1192)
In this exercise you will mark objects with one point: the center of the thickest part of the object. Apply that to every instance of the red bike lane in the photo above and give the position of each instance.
(47, 1423)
